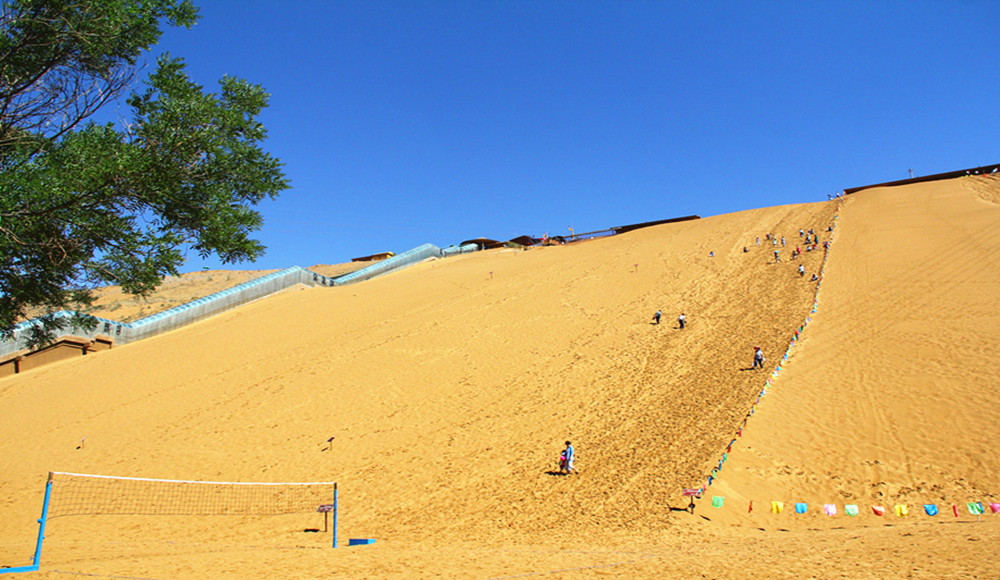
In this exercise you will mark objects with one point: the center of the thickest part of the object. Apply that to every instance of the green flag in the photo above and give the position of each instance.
(975, 508)
(717, 501)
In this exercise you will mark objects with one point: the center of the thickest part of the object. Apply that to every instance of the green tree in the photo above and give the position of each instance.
(84, 204)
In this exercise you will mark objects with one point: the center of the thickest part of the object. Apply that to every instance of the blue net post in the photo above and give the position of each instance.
(36, 561)
(41, 523)
(335, 515)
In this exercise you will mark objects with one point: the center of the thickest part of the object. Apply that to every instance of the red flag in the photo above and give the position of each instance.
(879, 510)
(954, 508)
(751, 507)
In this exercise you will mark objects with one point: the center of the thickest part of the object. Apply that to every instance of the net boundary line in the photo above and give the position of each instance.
(190, 480)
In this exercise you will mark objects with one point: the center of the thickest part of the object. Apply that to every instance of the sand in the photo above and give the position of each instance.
(451, 386)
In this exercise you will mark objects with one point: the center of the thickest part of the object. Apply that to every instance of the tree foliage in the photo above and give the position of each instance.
(84, 204)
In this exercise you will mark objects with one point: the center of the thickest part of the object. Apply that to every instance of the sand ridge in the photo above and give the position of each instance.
(450, 387)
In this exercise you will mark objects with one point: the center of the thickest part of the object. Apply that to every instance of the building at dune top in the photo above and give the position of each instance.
(374, 257)
(436, 396)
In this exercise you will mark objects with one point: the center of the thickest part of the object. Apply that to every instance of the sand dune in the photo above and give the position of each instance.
(450, 387)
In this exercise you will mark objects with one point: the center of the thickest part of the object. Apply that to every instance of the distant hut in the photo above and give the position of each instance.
(524, 241)
(374, 257)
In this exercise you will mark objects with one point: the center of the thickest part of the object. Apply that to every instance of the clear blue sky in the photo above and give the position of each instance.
(404, 122)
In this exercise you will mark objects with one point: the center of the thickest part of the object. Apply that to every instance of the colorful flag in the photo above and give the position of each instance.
(902, 510)
(851, 509)
(879, 510)
(931, 509)
(777, 506)
(830, 509)
(800, 508)
(995, 507)
(717, 501)
(975, 508)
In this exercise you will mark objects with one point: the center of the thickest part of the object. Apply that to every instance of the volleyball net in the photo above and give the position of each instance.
(83, 494)
(79, 494)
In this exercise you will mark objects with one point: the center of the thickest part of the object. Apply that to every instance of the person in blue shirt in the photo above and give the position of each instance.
(567, 465)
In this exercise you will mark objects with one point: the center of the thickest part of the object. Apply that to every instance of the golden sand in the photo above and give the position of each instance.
(451, 386)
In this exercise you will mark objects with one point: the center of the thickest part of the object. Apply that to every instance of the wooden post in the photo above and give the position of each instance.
(693, 494)
(326, 509)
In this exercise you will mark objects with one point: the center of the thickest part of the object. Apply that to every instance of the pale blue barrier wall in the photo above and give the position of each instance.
(456, 250)
(125, 332)
(407, 258)
(219, 302)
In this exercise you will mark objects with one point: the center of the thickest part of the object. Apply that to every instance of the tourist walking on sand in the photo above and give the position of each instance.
(566, 464)
(656, 317)
(758, 357)
(681, 320)
(802, 270)
(776, 257)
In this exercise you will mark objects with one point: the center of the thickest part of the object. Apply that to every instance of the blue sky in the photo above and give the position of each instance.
(404, 122)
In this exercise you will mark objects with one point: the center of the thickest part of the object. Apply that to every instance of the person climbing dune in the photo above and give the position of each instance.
(566, 461)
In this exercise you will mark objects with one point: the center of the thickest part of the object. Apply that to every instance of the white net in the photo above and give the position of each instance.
(81, 494)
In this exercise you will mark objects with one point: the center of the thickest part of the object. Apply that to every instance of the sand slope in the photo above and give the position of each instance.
(450, 387)
(891, 395)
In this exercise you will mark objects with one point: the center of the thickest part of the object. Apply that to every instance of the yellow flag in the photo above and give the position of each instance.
(902, 510)
(776, 507)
